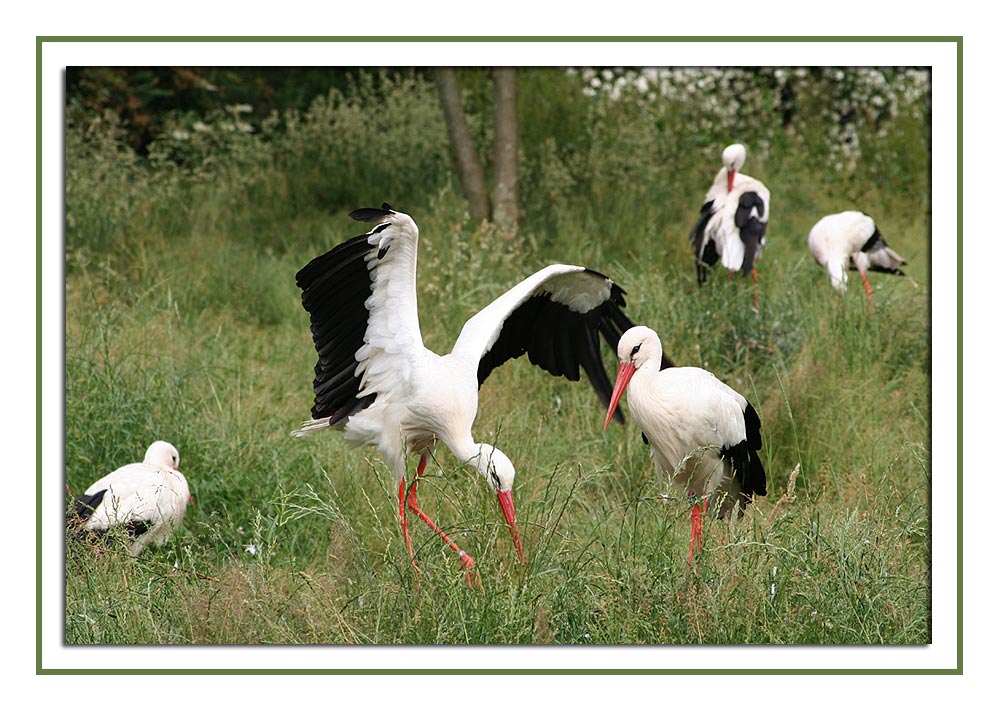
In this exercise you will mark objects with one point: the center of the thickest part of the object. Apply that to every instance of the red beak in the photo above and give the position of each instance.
(506, 501)
(624, 376)
(731, 175)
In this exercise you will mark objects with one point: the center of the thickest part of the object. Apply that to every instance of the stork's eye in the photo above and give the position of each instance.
(636, 349)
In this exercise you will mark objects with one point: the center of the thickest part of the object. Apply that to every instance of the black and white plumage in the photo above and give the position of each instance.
(733, 219)
(704, 435)
(147, 499)
(377, 382)
(851, 239)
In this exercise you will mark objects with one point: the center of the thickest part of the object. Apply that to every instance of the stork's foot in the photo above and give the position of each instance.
(469, 564)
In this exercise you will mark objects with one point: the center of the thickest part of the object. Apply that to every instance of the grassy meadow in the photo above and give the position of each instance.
(183, 323)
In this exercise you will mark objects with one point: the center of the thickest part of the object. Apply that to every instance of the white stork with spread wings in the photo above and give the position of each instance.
(377, 382)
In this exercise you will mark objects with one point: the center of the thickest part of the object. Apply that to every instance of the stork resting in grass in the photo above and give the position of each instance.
(147, 499)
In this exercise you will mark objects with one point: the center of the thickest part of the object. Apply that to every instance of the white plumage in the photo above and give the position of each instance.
(704, 435)
(733, 219)
(377, 382)
(852, 240)
(146, 499)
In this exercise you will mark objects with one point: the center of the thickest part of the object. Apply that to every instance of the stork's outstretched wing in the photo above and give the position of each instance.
(557, 317)
(362, 328)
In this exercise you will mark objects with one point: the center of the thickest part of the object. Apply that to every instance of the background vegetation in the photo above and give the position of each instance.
(183, 234)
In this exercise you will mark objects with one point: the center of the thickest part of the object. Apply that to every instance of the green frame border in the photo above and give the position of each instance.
(40, 40)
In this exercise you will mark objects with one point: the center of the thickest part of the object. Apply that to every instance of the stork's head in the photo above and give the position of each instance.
(732, 160)
(637, 347)
(498, 471)
(162, 454)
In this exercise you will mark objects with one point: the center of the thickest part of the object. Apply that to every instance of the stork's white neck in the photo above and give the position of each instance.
(487, 460)
(465, 449)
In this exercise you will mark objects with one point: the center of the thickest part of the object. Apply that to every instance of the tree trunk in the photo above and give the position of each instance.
(505, 201)
(463, 150)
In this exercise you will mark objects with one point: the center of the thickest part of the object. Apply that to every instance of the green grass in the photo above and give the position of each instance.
(182, 323)
(840, 392)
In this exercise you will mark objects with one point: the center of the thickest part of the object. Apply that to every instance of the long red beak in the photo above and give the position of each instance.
(506, 501)
(624, 376)
(731, 175)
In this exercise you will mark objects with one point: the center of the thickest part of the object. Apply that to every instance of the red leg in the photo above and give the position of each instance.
(756, 303)
(695, 531)
(402, 518)
(868, 287)
(403, 523)
(406, 528)
(467, 561)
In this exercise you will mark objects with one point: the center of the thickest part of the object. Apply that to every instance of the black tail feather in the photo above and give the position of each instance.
(746, 464)
(84, 506)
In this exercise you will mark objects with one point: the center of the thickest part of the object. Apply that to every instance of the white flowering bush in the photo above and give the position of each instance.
(844, 107)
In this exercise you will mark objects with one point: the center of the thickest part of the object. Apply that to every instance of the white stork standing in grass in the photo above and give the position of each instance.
(147, 499)
(377, 382)
(851, 239)
(733, 220)
(703, 434)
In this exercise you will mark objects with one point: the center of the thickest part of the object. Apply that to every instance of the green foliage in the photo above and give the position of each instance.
(146, 99)
(183, 323)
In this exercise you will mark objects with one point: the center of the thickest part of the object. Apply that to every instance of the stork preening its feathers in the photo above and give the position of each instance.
(376, 381)
(147, 500)
(852, 240)
(733, 220)
(703, 434)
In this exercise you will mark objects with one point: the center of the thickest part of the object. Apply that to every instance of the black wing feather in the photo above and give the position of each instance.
(704, 254)
(875, 243)
(563, 341)
(746, 464)
(85, 504)
(371, 214)
(886, 270)
(752, 229)
(136, 528)
(334, 288)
